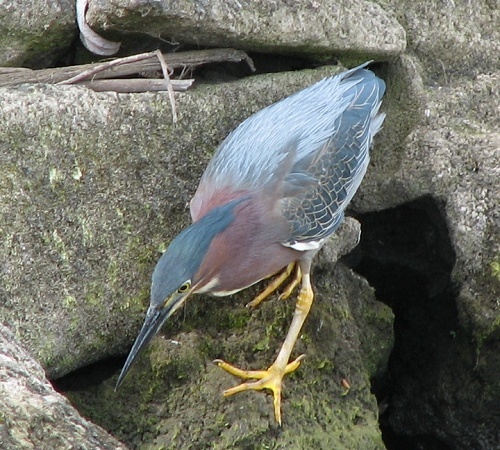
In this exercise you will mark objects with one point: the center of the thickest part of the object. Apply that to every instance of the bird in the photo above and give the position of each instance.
(276, 188)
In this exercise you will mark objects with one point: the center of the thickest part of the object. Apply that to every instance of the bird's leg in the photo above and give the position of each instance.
(273, 376)
(272, 286)
(293, 284)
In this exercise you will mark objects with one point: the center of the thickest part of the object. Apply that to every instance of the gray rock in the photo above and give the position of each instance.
(451, 38)
(455, 156)
(449, 150)
(33, 414)
(35, 35)
(309, 28)
(94, 187)
(178, 390)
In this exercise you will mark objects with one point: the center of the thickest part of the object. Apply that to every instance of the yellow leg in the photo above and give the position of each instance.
(273, 376)
(293, 284)
(272, 286)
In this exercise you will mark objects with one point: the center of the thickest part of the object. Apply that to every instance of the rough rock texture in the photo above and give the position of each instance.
(178, 389)
(94, 186)
(310, 28)
(454, 156)
(35, 35)
(32, 414)
(451, 38)
(89, 202)
(449, 151)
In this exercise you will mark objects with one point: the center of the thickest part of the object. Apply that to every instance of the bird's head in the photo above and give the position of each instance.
(176, 275)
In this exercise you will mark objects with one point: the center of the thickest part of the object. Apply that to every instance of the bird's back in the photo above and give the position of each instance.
(297, 131)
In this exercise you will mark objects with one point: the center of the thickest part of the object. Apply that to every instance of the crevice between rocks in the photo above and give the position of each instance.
(406, 254)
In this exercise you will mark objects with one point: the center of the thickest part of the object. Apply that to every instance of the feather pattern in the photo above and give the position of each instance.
(338, 166)
(322, 135)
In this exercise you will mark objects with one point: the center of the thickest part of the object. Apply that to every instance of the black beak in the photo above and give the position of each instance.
(155, 318)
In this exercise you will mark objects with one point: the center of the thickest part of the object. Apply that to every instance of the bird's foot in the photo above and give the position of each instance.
(267, 379)
(274, 285)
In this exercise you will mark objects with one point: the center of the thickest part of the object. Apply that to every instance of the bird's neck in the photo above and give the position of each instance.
(248, 250)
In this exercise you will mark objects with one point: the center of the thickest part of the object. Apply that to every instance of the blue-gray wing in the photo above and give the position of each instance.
(320, 134)
(252, 152)
(322, 184)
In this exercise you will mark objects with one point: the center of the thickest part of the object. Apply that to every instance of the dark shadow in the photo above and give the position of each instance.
(406, 254)
(88, 376)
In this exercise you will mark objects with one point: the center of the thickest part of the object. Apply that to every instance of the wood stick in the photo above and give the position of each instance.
(13, 76)
(166, 76)
(95, 69)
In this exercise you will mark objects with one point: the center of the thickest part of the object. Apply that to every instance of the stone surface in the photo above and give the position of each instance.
(178, 388)
(309, 28)
(35, 35)
(89, 201)
(451, 38)
(454, 156)
(94, 187)
(452, 153)
(448, 151)
(32, 414)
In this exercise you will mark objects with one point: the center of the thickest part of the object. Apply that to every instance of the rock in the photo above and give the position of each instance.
(178, 389)
(35, 36)
(451, 39)
(33, 414)
(90, 200)
(449, 152)
(455, 155)
(95, 186)
(307, 28)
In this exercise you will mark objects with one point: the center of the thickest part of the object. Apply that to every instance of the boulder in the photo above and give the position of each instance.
(97, 185)
(311, 28)
(35, 36)
(33, 414)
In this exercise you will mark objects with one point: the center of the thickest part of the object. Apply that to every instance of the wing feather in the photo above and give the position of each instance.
(338, 166)
(326, 129)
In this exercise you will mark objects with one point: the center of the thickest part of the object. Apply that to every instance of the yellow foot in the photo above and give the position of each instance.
(272, 286)
(267, 379)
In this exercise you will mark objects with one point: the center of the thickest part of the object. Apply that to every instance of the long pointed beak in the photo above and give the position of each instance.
(155, 318)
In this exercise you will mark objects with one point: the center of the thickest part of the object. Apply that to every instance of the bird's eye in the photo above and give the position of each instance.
(184, 287)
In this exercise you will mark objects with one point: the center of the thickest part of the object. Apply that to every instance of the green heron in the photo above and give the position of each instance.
(276, 188)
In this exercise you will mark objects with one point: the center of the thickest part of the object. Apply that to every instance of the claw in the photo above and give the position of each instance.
(293, 284)
(271, 378)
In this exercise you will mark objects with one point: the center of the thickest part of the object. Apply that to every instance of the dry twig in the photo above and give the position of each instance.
(106, 65)
(105, 76)
(129, 85)
(120, 67)
(166, 76)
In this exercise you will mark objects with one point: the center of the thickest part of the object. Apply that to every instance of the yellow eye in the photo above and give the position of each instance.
(184, 288)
